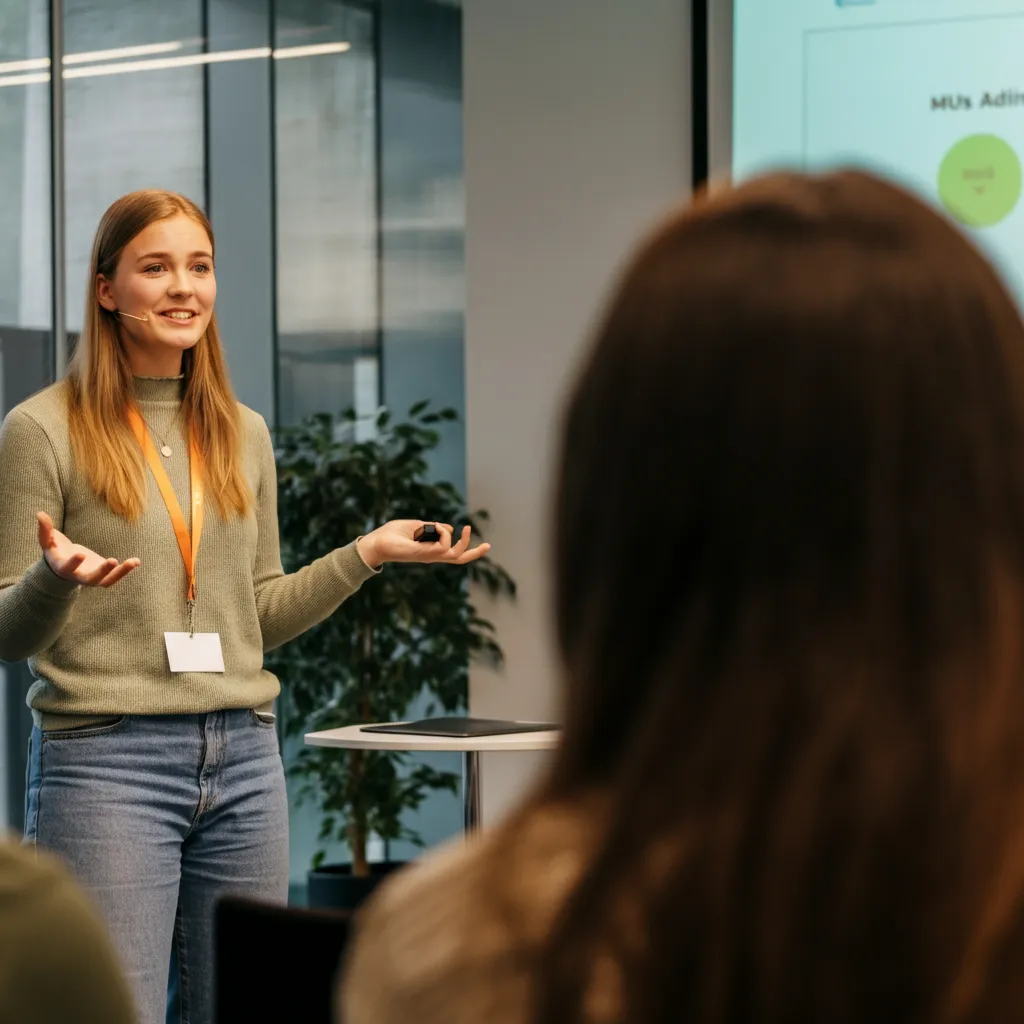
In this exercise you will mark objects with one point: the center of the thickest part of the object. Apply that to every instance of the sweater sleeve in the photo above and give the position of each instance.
(34, 602)
(368, 992)
(290, 604)
(409, 958)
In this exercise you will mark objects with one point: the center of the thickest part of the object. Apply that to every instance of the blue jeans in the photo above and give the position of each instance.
(159, 817)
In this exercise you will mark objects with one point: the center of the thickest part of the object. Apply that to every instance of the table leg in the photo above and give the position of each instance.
(471, 789)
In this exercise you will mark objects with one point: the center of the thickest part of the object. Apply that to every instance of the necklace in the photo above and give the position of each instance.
(165, 448)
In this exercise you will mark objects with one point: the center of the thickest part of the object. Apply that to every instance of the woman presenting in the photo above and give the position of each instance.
(140, 574)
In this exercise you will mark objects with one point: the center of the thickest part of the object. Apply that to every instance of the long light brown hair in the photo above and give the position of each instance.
(789, 560)
(100, 382)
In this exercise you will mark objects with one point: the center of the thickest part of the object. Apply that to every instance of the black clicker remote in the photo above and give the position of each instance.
(427, 534)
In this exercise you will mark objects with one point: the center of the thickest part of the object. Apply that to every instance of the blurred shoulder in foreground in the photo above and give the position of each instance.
(58, 964)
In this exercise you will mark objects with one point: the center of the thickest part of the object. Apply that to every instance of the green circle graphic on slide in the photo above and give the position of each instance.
(980, 180)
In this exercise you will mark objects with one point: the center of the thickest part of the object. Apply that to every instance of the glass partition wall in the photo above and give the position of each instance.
(26, 301)
(324, 140)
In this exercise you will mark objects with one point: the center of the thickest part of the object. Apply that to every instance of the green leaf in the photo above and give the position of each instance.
(406, 636)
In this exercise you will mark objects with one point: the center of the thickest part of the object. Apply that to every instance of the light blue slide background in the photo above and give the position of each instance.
(820, 84)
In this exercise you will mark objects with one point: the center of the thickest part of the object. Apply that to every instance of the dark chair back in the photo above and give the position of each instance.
(276, 963)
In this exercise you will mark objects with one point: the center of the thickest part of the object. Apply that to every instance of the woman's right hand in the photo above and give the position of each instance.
(76, 563)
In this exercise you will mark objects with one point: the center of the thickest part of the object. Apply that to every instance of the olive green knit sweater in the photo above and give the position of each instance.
(98, 652)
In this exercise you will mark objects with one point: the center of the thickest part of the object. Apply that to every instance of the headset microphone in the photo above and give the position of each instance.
(121, 312)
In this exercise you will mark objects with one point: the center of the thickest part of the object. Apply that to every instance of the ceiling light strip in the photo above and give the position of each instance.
(146, 50)
(313, 50)
(159, 63)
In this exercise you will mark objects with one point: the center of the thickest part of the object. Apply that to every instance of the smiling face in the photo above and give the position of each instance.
(165, 275)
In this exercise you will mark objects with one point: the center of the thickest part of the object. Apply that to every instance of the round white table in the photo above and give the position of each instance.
(352, 737)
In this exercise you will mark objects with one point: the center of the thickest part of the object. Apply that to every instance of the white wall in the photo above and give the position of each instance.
(577, 136)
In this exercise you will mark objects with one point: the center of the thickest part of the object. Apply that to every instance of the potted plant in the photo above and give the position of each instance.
(408, 634)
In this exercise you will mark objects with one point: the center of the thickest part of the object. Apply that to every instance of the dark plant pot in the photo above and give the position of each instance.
(334, 887)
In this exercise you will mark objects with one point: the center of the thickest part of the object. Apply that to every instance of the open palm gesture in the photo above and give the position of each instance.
(77, 563)
(395, 542)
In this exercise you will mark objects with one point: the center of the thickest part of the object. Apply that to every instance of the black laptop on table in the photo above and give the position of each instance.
(459, 727)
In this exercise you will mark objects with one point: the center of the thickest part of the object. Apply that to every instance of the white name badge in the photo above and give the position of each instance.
(199, 653)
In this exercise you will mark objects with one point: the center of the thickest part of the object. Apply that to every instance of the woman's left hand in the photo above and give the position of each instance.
(394, 542)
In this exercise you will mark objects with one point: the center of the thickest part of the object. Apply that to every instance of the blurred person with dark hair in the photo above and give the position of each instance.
(789, 578)
(57, 963)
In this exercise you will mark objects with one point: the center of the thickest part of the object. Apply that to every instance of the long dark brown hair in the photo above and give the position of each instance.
(789, 559)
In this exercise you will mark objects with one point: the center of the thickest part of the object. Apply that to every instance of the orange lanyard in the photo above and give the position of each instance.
(188, 546)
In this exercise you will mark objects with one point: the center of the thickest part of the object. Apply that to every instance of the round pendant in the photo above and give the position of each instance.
(166, 451)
